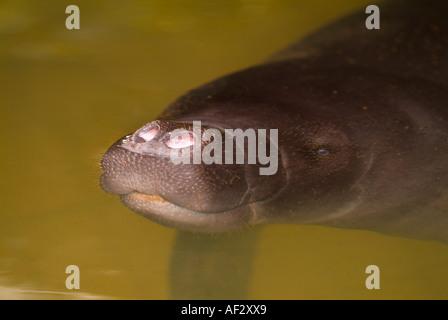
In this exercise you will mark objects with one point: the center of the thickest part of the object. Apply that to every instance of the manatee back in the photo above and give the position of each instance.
(412, 41)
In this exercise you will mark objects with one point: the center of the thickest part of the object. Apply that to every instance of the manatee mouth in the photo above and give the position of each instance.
(169, 214)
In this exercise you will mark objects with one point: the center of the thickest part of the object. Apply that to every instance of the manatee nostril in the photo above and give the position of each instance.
(180, 140)
(139, 140)
(146, 135)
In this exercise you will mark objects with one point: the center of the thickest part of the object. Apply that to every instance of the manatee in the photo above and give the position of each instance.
(362, 120)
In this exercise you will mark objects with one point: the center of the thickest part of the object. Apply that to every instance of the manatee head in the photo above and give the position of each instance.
(155, 172)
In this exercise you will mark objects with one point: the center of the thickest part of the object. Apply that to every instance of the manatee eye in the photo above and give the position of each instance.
(180, 140)
(323, 152)
(148, 135)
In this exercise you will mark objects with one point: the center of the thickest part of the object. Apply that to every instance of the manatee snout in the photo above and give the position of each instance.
(190, 196)
(141, 163)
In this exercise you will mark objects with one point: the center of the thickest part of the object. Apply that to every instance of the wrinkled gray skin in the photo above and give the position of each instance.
(376, 100)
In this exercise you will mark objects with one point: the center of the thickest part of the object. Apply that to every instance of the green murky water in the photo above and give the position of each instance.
(66, 96)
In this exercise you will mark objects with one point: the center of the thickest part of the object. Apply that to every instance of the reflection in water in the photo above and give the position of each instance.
(213, 267)
(14, 293)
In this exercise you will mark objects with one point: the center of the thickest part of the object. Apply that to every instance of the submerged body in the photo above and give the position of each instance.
(362, 119)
